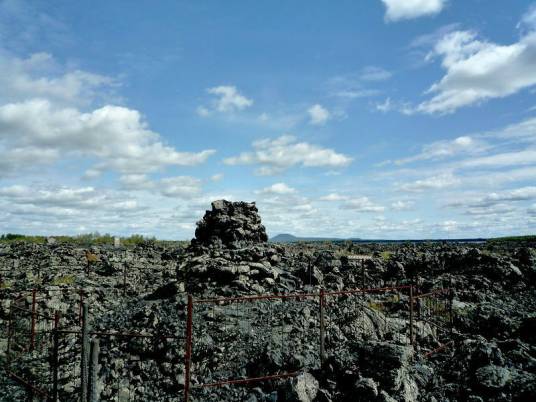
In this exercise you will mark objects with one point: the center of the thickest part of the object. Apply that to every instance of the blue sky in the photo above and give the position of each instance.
(377, 119)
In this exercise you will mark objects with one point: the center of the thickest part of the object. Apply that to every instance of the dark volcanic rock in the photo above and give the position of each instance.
(230, 224)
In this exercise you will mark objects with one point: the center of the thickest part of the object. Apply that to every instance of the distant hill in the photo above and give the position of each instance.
(288, 238)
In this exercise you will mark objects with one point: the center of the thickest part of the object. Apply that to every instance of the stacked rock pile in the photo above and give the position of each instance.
(230, 224)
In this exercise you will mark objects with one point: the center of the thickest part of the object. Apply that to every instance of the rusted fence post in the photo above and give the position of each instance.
(9, 332)
(32, 332)
(451, 314)
(363, 278)
(124, 279)
(188, 348)
(411, 314)
(85, 354)
(322, 328)
(80, 304)
(93, 370)
(55, 357)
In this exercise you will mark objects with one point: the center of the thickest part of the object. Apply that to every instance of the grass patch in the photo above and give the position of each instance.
(386, 255)
(63, 280)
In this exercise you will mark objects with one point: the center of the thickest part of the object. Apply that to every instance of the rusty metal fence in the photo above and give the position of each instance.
(261, 338)
(217, 341)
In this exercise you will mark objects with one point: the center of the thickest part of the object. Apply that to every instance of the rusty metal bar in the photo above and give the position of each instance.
(411, 341)
(372, 290)
(296, 295)
(9, 332)
(248, 380)
(259, 297)
(435, 292)
(32, 332)
(85, 354)
(188, 349)
(93, 371)
(120, 334)
(438, 349)
(36, 314)
(80, 303)
(322, 328)
(124, 279)
(26, 383)
(55, 357)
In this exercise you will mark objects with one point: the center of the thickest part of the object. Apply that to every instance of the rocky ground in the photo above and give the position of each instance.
(490, 355)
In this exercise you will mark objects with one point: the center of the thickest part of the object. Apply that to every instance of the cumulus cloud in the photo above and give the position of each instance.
(318, 115)
(70, 199)
(41, 76)
(277, 188)
(478, 70)
(180, 187)
(362, 204)
(409, 9)
(276, 155)
(227, 99)
(116, 136)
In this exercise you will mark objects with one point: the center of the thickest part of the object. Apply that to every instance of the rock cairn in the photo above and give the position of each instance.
(230, 224)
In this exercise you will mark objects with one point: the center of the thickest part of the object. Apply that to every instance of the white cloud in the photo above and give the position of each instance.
(402, 205)
(228, 99)
(447, 148)
(362, 204)
(277, 155)
(203, 111)
(373, 73)
(438, 182)
(116, 137)
(277, 188)
(353, 86)
(498, 203)
(68, 198)
(514, 158)
(408, 9)
(333, 197)
(217, 177)
(40, 76)
(180, 187)
(318, 115)
(478, 70)
(528, 21)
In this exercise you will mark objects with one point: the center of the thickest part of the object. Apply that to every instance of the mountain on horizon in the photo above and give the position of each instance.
(288, 238)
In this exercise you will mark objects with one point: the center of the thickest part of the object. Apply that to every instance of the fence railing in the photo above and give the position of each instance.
(54, 355)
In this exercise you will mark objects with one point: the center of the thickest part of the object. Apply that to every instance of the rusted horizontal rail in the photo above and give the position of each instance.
(297, 295)
(120, 334)
(366, 290)
(26, 383)
(30, 313)
(438, 349)
(259, 297)
(433, 293)
(247, 380)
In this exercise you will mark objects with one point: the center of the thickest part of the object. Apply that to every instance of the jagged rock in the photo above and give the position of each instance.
(302, 388)
(230, 224)
(492, 378)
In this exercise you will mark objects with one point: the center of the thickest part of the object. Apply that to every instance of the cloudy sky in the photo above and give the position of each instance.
(374, 119)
